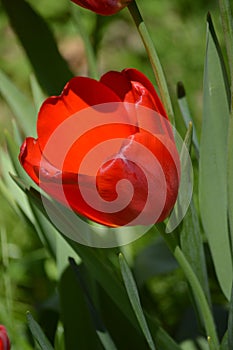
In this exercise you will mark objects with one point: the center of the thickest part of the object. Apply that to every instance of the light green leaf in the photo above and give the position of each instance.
(38, 334)
(37, 93)
(20, 105)
(213, 164)
(133, 295)
(230, 174)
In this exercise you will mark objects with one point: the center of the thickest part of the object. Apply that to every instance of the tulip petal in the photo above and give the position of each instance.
(135, 75)
(137, 165)
(63, 121)
(103, 7)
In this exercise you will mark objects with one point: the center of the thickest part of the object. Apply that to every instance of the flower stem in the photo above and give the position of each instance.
(196, 288)
(155, 63)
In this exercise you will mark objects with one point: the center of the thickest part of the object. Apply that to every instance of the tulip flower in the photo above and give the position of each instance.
(4, 340)
(103, 7)
(106, 150)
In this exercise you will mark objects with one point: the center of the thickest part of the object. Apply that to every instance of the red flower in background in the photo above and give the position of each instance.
(103, 7)
(4, 340)
(131, 126)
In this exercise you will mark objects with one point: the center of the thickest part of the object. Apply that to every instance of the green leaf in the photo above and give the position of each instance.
(213, 164)
(100, 328)
(104, 272)
(155, 259)
(192, 246)
(134, 299)
(37, 93)
(230, 174)
(12, 190)
(38, 334)
(38, 41)
(230, 323)
(186, 183)
(20, 105)
(224, 343)
(78, 326)
(186, 114)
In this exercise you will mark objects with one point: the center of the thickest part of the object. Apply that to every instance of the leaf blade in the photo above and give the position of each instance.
(213, 164)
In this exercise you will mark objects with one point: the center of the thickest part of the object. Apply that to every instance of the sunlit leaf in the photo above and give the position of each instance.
(213, 164)
(20, 105)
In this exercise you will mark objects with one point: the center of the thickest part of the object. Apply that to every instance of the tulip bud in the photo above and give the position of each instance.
(103, 7)
(4, 340)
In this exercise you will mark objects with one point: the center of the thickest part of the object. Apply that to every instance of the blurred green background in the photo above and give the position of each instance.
(28, 276)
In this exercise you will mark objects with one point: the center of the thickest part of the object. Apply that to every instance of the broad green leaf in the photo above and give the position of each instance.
(213, 164)
(51, 70)
(78, 326)
(38, 334)
(133, 295)
(20, 105)
(230, 174)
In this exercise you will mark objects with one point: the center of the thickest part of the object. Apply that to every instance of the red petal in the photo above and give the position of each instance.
(133, 87)
(156, 165)
(136, 76)
(103, 7)
(61, 125)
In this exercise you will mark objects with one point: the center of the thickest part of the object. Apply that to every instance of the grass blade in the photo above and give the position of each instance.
(134, 299)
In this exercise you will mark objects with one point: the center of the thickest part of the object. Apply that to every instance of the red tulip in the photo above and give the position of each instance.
(98, 133)
(4, 340)
(103, 7)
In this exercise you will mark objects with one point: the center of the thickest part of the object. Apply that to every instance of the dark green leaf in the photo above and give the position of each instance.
(34, 34)
(78, 326)
(100, 328)
(230, 323)
(38, 334)
(153, 260)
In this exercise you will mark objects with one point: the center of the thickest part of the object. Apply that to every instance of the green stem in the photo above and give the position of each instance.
(90, 54)
(155, 63)
(227, 24)
(196, 288)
